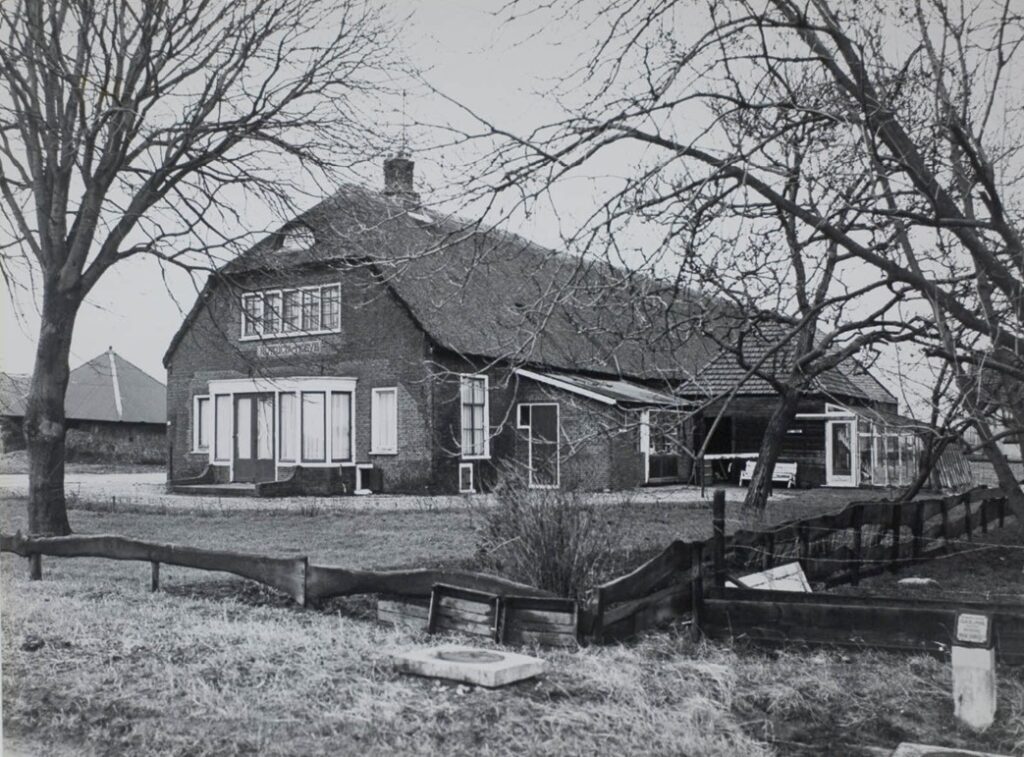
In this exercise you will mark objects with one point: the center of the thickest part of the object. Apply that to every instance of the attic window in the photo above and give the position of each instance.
(297, 238)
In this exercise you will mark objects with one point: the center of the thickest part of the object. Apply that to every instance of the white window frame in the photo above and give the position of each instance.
(486, 455)
(282, 333)
(558, 445)
(196, 421)
(472, 482)
(292, 384)
(376, 392)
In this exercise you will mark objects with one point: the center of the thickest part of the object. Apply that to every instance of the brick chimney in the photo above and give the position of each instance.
(398, 173)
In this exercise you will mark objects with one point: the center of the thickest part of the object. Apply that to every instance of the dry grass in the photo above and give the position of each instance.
(216, 665)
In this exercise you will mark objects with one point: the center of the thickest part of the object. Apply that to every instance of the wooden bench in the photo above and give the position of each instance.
(784, 473)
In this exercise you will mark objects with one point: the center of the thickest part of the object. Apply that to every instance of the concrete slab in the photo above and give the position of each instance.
(481, 667)
(907, 749)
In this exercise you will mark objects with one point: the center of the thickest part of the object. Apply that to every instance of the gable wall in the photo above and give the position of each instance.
(379, 344)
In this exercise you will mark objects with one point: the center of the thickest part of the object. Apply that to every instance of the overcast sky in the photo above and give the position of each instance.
(464, 50)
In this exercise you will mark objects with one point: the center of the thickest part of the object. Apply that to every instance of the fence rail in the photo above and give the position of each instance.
(861, 540)
(843, 547)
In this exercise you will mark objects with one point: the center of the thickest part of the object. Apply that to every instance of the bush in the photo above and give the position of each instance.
(546, 538)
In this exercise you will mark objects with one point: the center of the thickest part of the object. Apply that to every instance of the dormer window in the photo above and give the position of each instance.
(297, 239)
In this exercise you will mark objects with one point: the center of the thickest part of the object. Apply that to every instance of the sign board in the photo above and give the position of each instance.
(289, 349)
(973, 629)
(788, 577)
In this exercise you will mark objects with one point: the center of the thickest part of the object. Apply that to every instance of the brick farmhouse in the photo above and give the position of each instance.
(376, 345)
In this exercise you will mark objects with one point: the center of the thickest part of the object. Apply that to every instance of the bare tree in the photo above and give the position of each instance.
(133, 129)
(920, 118)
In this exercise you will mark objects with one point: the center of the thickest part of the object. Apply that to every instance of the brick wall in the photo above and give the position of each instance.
(379, 345)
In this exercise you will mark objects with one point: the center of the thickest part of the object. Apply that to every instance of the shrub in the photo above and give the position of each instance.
(547, 538)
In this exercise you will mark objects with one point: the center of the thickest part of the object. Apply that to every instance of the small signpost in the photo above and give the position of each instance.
(974, 670)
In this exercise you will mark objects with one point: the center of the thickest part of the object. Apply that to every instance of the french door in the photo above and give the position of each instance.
(254, 437)
(840, 453)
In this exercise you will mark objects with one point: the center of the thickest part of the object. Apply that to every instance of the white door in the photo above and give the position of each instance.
(840, 453)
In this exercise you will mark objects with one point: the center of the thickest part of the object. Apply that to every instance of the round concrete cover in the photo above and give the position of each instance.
(469, 656)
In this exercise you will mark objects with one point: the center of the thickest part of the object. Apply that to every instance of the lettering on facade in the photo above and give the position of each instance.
(289, 349)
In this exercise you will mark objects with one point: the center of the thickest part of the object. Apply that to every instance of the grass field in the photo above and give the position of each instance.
(93, 663)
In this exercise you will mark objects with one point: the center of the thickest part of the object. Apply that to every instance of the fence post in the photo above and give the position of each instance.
(1001, 504)
(718, 535)
(35, 567)
(967, 517)
(858, 522)
(154, 580)
(983, 515)
(697, 584)
(944, 511)
(897, 524)
(918, 529)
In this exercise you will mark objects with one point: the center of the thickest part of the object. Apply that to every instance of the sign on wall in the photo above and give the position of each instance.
(289, 349)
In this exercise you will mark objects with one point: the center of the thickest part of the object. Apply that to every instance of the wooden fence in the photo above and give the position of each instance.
(687, 577)
(301, 580)
(861, 540)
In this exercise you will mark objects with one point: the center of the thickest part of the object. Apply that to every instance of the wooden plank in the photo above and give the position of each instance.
(154, 576)
(519, 625)
(35, 567)
(617, 612)
(799, 597)
(650, 576)
(446, 623)
(285, 574)
(515, 614)
(542, 639)
(324, 581)
(466, 606)
(718, 537)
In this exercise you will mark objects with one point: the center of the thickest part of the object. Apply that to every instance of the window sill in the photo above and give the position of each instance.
(386, 452)
(199, 452)
(476, 457)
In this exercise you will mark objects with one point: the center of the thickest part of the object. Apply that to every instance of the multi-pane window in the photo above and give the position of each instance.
(288, 425)
(330, 308)
(290, 311)
(201, 424)
(272, 313)
(473, 397)
(384, 422)
(311, 310)
(252, 308)
(314, 426)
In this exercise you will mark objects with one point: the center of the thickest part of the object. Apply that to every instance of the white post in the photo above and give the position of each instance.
(974, 671)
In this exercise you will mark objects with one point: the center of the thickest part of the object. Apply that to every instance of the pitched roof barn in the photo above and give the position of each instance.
(107, 388)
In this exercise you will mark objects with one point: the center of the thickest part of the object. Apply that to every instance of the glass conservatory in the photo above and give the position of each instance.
(867, 447)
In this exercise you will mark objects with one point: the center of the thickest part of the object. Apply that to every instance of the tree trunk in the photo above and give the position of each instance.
(771, 446)
(44, 414)
(1004, 474)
